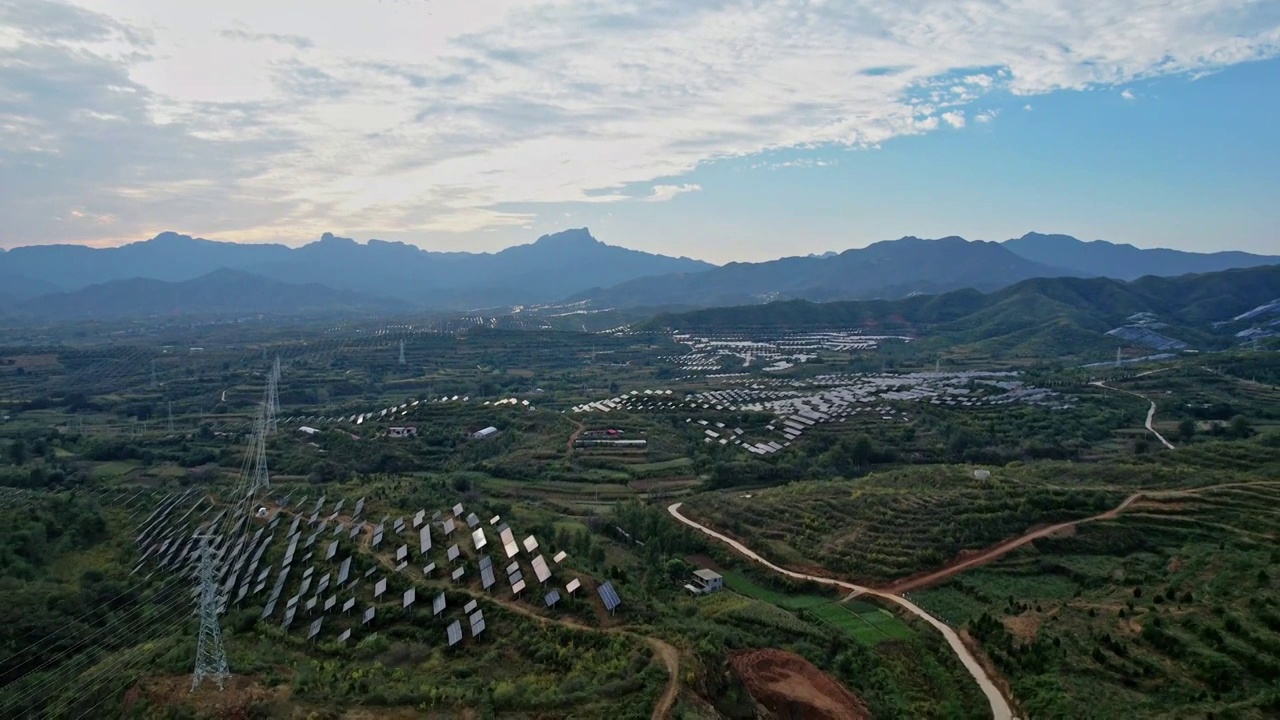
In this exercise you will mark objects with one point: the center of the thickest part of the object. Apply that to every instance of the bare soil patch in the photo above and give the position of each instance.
(791, 687)
(238, 694)
(1024, 626)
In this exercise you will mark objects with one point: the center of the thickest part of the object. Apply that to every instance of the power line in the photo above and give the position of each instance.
(211, 657)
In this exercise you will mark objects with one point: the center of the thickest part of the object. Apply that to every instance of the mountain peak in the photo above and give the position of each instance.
(169, 237)
(572, 236)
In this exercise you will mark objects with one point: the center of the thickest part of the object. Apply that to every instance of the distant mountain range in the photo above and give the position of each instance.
(221, 293)
(894, 268)
(549, 269)
(1040, 317)
(566, 266)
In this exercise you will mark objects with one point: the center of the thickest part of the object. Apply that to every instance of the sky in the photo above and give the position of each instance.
(721, 130)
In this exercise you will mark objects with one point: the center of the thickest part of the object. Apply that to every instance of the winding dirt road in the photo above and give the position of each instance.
(1151, 412)
(1000, 709)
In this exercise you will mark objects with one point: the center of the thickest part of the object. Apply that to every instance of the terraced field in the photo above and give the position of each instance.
(1172, 610)
(889, 525)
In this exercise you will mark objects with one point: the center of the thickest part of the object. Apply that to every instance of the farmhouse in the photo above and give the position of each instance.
(402, 432)
(705, 581)
(484, 434)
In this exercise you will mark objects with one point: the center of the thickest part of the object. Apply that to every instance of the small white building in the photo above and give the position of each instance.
(484, 434)
(402, 432)
(705, 581)
(308, 430)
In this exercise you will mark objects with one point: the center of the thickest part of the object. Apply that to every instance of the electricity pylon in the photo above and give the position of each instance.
(273, 396)
(401, 352)
(211, 658)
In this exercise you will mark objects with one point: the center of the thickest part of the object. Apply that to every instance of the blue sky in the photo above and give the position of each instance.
(725, 130)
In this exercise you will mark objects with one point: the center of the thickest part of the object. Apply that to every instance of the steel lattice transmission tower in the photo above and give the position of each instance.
(401, 352)
(211, 658)
(273, 396)
(260, 479)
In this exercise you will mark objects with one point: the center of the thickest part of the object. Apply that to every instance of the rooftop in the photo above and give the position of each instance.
(707, 575)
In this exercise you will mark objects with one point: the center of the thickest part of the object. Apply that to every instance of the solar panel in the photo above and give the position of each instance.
(478, 539)
(359, 507)
(437, 604)
(540, 569)
(270, 608)
(530, 544)
(486, 577)
(552, 598)
(398, 526)
(609, 596)
(409, 596)
(513, 568)
(517, 587)
(560, 556)
(338, 529)
(457, 510)
(485, 561)
(323, 584)
(403, 564)
(573, 586)
(330, 551)
(288, 619)
(459, 572)
(470, 607)
(454, 633)
(330, 602)
(515, 577)
(380, 588)
(346, 635)
(494, 520)
(424, 539)
(417, 519)
(348, 605)
(477, 627)
(344, 570)
(370, 571)
(368, 616)
(448, 526)
(472, 520)
(315, 627)
(355, 530)
(377, 539)
(429, 568)
(310, 604)
(402, 552)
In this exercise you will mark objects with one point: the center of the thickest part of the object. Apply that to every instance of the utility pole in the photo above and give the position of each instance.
(211, 658)
(1118, 357)
(401, 352)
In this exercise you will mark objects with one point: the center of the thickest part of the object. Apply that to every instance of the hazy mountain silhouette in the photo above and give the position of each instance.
(889, 269)
(220, 293)
(1126, 262)
(549, 269)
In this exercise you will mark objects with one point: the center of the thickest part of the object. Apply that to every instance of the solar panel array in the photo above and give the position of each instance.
(609, 596)
(541, 570)
(552, 598)
(454, 633)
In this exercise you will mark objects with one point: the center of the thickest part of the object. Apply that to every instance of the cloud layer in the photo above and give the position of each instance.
(276, 120)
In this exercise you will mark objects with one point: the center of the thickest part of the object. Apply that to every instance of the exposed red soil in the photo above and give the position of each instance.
(791, 687)
(233, 701)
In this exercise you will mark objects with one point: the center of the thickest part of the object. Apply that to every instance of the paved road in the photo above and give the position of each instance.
(1000, 709)
(1151, 412)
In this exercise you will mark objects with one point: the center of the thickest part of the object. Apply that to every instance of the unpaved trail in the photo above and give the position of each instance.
(993, 553)
(1000, 708)
(1151, 411)
(573, 437)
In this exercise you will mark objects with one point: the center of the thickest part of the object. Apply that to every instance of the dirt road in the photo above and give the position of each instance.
(1000, 709)
(573, 437)
(1151, 412)
(993, 553)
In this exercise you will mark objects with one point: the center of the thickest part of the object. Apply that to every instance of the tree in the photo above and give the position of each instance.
(18, 452)
(1186, 429)
(1240, 427)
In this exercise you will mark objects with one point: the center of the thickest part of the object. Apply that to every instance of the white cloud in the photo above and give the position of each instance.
(662, 193)
(1027, 107)
(281, 119)
(1127, 94)
(986, 116)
